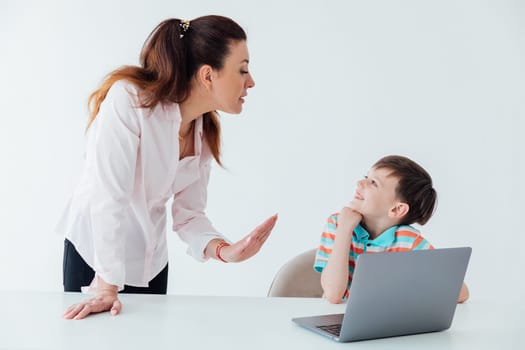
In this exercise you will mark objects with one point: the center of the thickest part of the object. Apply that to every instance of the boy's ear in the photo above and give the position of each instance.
(399, 210)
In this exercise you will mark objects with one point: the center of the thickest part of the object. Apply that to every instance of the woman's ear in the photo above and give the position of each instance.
(204, 76)
(399, 210)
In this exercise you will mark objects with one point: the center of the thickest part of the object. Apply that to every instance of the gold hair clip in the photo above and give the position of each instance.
(184, 26)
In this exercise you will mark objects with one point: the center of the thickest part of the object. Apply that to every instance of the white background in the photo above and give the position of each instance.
(338, 85)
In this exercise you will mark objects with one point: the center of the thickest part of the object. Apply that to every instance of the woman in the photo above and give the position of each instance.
(152, 134)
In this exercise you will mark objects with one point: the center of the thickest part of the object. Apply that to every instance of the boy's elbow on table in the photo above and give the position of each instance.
(333, 300)
(332, 297)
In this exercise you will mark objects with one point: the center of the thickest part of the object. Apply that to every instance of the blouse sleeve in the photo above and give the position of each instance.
(112, 152)
(189, 219)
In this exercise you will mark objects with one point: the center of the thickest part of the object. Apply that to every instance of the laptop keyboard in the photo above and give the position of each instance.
(334, 329)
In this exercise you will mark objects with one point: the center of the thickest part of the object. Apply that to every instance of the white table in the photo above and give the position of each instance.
(33, 321)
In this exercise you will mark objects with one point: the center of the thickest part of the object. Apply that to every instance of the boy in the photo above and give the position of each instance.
(396, 193)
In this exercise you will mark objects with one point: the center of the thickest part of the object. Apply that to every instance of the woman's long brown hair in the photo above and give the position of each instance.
(169, 59)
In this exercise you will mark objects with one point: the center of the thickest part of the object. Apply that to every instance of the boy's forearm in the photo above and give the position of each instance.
(334, 278)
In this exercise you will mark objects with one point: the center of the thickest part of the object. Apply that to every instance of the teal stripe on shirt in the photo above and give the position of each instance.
(421, 245)
(328, 241)
(320, 253)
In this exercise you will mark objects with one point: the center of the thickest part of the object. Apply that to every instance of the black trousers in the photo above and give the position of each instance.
(77, 273)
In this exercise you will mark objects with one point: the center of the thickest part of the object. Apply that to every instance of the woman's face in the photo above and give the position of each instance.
(231, 83)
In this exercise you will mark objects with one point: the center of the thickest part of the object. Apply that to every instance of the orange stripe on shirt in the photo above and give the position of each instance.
(325, 250)
(406, 233)
(357, 250)
(331, 221)
(328, 235)
(417, 241)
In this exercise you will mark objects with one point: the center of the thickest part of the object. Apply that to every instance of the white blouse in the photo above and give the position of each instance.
(116, 218)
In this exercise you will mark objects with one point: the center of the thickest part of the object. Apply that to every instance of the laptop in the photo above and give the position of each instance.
(396, 294)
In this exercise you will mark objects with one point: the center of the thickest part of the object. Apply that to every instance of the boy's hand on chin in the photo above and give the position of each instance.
(349, 217)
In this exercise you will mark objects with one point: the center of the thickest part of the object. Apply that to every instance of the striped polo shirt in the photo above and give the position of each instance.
(394, 239)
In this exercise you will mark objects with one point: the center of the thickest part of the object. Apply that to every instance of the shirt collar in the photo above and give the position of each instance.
(198, 135)
(171, 111)
(385, 239)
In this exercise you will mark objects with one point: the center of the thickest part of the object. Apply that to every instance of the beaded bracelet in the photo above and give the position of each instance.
(221, 245)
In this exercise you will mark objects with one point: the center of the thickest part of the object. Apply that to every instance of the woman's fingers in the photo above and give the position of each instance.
(253, 244)
(70, 308)
(72, 311)
(250, 245)
(86, 310)
(270, 222)
(265, 228)
(261, 233)
(96, 304)
(261, 236)
(117, 307)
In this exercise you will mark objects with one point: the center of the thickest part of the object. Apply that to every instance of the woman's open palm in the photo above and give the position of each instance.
(251, 244)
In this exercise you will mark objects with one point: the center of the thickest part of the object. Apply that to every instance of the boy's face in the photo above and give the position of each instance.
(375, 195)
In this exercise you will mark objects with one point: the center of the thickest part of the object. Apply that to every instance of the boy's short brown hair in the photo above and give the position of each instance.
(414, 187)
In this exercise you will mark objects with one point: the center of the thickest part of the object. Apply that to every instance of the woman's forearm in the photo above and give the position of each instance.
(104, 287)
